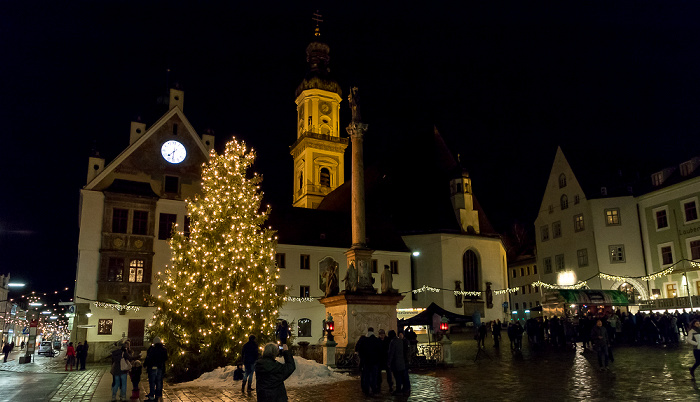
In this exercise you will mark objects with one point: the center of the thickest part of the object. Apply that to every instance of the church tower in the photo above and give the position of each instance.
(318, 151)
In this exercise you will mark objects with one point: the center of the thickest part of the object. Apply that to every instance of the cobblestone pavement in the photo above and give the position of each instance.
(643, 373)
(639, 373)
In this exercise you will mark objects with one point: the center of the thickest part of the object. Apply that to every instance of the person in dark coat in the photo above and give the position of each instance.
(396, 361)
(481, 340)
(156, 356)
(271, 374)
(600, 340)
(6, 350)
(369, 348)
(82, 356)
(496, 332)
(383, 361)
(250, 356)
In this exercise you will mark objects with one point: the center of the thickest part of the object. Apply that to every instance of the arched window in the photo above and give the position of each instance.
(629, 291)
(564, 202)
(304, 328)
(325, 177)
(562, 180)
(301, 181)
(470, 267)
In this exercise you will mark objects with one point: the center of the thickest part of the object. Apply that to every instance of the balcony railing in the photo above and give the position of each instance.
(670, 303)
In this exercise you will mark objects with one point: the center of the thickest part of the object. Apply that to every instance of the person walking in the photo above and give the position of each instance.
(118, 372)
(156, 356)
(694, 339)
(600, 341)
(250, 356)
(271, 374)
(369, 348)
(496, 332)
(70, 356)
(383, 366)
(78, 353)
(6, 350)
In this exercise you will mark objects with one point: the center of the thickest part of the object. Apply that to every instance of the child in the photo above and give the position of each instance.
(238, 373)
(135, 374)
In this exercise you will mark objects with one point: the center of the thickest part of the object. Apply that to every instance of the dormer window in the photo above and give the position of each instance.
(657, 178)
(562, 180)
(603, 191)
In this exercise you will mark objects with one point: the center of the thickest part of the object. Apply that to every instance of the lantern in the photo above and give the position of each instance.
(444, 324)
(330, 326)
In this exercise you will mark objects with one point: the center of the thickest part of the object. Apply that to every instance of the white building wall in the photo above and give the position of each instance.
(89, 243)
(293, 277)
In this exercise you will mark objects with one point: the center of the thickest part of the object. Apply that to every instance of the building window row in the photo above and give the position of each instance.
(525, 271)
(305, 263)
(689, 208)
(120, 221)
(115, 270)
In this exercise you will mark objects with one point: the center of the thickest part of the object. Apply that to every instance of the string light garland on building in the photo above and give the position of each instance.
(426, 288)
(466, 293)
(658, 275)
(299, 299)
(504, 291)
(579, 285)
(118, 307)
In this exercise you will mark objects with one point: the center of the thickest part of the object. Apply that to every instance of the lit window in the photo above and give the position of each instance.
(136, 271)
(671, 290)
(612, 217)
(104, 326)
(304, 328)
(578, 223)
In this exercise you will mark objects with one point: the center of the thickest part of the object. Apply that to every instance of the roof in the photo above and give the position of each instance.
(586, 296)
(314, 227)
(425, 317)
(594, 174)
(415, 197)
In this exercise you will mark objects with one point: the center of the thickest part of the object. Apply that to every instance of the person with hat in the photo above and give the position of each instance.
(156, 356)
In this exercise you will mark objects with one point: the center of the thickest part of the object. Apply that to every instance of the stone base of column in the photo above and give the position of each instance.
(329, 353)
(446, 351)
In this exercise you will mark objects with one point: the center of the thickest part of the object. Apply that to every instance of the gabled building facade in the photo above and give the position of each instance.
(584, 229)
(127, 211)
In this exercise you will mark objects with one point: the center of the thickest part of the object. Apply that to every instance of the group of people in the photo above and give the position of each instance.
(126, 361)
(76, 357)
(269, 373)
(7, 348)
(388, 352)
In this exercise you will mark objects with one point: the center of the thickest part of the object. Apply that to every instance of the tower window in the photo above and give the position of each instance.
(301, 181)
(325, 177)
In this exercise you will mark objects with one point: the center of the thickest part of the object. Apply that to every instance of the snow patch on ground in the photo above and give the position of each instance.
(307, 373)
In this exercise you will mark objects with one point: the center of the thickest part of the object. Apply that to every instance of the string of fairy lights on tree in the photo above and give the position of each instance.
(219, 287)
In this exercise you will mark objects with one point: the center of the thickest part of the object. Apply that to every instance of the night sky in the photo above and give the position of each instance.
(615, 83)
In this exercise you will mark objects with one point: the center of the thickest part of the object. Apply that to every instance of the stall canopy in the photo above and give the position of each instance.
(425, 317)
(587, 296)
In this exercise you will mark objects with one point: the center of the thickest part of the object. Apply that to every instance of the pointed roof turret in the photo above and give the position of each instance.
(318, 57)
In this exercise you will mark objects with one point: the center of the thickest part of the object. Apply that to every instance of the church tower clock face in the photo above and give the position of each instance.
(173, 151)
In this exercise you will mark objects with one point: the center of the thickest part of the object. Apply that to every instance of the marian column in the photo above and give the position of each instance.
(359, 255)
(359, 306)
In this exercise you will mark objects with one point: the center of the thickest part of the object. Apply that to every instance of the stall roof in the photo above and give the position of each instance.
(586, 296)
(425, 317)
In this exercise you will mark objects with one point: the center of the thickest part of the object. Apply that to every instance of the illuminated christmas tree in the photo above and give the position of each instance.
(220, 285)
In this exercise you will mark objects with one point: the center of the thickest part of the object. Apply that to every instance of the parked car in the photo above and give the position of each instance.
(46, 348)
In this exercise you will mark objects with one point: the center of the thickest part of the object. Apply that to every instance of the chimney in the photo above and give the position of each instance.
(177, 98)
(208, 140)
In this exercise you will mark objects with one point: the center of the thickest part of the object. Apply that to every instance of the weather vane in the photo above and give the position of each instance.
(318, 18)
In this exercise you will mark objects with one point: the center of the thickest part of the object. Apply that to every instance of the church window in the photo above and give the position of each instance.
(394, 266)
(165, 226)
(304, 330)
(281, 260)
(325, 177)
(564, 201)
(140, 223)
(120, 218)
(304, 291)
(562, 180)
(470, 268)
(136, 271)
(115, 270)
(304, 261)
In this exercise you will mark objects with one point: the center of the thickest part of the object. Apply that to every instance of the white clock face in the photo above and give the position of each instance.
(173, 151)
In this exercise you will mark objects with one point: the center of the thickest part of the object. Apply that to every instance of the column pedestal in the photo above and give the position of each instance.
(329, 353)
(354, 313)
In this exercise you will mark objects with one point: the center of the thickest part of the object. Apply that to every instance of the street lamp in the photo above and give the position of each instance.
(444, 324)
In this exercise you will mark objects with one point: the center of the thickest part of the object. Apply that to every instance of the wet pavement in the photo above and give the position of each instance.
(639, 373)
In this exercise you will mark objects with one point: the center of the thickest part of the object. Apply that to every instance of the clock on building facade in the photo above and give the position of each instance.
(173, 151)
